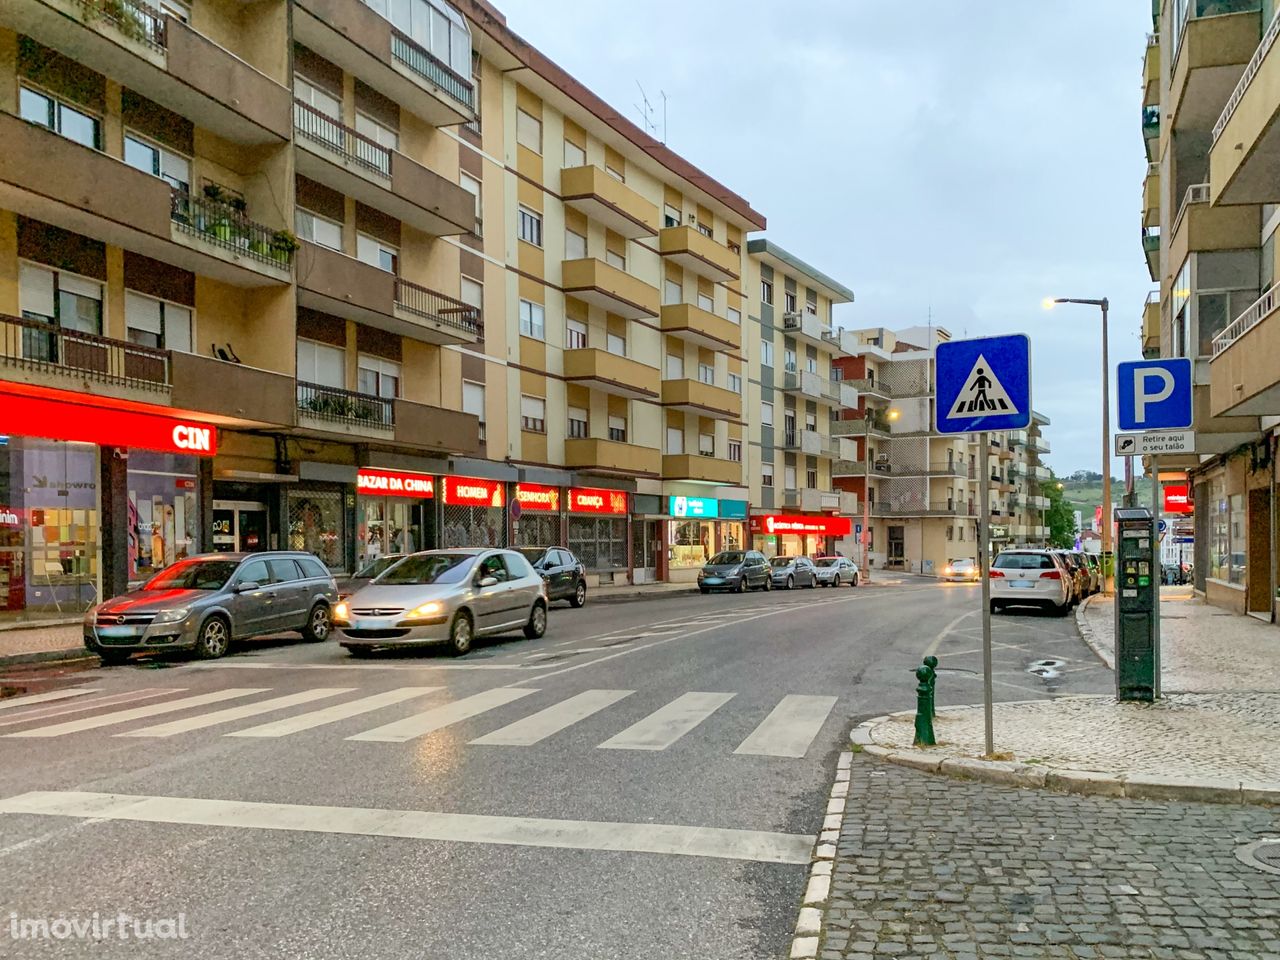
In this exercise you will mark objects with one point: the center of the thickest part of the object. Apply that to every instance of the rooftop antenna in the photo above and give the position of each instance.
(664, 115)
(646, 112)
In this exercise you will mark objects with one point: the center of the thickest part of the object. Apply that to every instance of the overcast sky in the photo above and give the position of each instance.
(966, 157)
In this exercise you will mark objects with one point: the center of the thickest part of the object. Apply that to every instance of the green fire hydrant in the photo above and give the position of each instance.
(932, 664)
(924, 708)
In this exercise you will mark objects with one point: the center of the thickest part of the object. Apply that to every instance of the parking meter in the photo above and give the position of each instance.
(1137, 580)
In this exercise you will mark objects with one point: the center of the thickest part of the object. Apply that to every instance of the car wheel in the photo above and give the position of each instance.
(460, 634)
(791, 582)
(113, 658)
(537, 624)
(768, 584)
(318, 624)
(836, 581)
(579, 597)
(742, 585)
(855, 581)
(214, 639)
(1063, 610)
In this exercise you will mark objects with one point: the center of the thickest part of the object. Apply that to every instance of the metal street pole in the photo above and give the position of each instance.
(1108, 585)
(984, 570)
(866, 499)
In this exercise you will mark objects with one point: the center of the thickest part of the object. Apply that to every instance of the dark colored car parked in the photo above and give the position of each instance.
(364, 576)
(735, 570)
(205, 602)
(564, 574)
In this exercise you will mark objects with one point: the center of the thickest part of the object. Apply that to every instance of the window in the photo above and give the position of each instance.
(615, 173)
(812, 364)
(178, 9)
(706, 445)
(789, 302)
(59, 299)
(735, 451)
(735, 382)
(577, 422)
(157, 323)
(675, 367)
(707, 373)
(672, 292)
(950, 533)
(436, 27)
(706, 303)
(616, 345)
(61, 118)
(837, 373)
(766, 353)
(766, 414)
(378, 377)
(473, 401)
(532, 320)
(575, 246)
(324, 103)
(472, 186)
(157, 161)
(789, 360)
(789, 478)
(322, 364)
(574, 155)
(670, 216)
(618, 429)
(376, 131)
(376, 253)
(704, 230)
(766, 291)
(575, 335)
(615, 260)
(735, 316)
(533, 414)
(811, 479)
(675, 440)
(531, 226)
(766, 474)
(474, 124)
(529, 131)
(471, 293)
(318, 229)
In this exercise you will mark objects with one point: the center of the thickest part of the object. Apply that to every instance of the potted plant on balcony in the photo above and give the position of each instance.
(284, 244)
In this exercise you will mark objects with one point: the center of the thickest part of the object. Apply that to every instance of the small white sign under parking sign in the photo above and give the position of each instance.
(1155, 443)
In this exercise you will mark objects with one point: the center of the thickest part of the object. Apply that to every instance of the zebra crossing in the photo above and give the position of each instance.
(787, 730)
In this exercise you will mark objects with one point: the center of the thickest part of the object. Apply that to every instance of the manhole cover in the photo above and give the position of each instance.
(1262, 855)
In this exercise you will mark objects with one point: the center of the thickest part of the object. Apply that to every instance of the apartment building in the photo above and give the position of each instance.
(353, 278)
(793, 393)
(1210, 212)
(922, 487)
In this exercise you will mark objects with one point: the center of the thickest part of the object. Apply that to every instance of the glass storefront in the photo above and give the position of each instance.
(473, 513)
(599, 542)
(317, 524)
(164, 511)
(386, 525)
(691, 543)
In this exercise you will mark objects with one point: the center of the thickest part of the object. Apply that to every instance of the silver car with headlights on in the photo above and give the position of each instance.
(446, 597)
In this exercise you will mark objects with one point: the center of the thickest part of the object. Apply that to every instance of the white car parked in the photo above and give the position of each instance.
(1033, 578)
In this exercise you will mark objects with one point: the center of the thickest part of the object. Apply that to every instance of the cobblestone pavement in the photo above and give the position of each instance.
(1203, 648)
(929, 867)
(1185, 736)
(41, 639)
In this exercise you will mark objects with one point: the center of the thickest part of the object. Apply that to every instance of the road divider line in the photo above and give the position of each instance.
(204, 720)
(789, 728)
(339, 711)
(137, 713)
(11, 702)
(668, 724)
(559, 716)
(428, 721)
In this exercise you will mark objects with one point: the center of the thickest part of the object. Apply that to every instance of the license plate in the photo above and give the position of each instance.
(117, 631)
(713, 581)
(1022, 584)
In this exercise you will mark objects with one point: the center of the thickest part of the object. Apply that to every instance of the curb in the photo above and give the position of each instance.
(809, 927)
(69, 655)
(635, 596)
(1011, 773)
(1088, 636)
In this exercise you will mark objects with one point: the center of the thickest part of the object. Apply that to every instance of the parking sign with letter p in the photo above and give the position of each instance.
(1155, 394)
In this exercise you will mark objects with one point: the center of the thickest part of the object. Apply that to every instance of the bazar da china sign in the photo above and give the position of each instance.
(819, 526)
(38, 416)
(392, 483)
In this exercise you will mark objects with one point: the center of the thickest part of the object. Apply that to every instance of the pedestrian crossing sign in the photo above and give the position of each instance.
(984, 384)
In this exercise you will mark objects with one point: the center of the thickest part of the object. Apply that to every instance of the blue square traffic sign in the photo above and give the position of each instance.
(984, 384)
(1155, 394)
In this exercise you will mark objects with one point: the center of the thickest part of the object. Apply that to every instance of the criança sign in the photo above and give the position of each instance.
(393, 483)
(592, 500)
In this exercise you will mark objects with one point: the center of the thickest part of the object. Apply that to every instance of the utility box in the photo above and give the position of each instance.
(1137, 580)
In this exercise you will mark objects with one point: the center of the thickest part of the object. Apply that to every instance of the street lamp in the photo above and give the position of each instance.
(1104, 304)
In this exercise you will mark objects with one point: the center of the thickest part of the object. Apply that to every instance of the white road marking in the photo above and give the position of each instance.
(137, 713)
(553, 719)
(339, 711)
(357, 665)
(46, 697)
(421, 724)
(658, 838)
(668, 724)
(789, 728)
(79, 706)
(203, 720)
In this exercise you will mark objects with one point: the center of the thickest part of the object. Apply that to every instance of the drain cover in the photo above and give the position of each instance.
(1262, 855)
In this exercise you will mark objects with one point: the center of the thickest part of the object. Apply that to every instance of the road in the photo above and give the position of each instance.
(645, 781)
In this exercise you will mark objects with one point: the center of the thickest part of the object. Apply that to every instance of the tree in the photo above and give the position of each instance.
(1060, 518)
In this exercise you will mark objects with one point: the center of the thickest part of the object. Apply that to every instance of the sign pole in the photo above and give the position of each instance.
(1157, 566)
(984, 569)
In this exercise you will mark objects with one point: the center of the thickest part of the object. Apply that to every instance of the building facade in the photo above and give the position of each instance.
(1211, 208)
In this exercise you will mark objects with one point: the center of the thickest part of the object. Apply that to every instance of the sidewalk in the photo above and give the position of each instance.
(49, 641)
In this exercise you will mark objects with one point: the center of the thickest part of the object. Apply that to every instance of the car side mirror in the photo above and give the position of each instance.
(244, 586)
(488, 582)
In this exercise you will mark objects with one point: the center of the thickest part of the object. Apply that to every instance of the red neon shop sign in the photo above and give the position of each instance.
(472, 492)
(1177, 499)
(392, 483)
(34, 416)
(592, 500)
(820, 526)
(534, 496)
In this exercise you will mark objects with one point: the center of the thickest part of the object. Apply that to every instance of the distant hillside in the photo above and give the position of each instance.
(1086, 495)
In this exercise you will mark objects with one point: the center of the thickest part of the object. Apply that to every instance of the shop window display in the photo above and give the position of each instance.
(164, 511)
(692, 543)
(316, 525)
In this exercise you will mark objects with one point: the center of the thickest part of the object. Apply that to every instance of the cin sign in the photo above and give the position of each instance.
(471, 492)
(392, 484)
(591, 500)
(193, 439)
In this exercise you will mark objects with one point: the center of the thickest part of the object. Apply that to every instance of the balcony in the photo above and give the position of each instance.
(163, 59)
(612, 458)
(848, 468)
(1151, 70)
(700, 327)
(1017, 438)
(607, 200)
(870, 388)
(334, 410)
(1244, 376)
(1151, 250)
(343, 286)
(609, 288)
(917, 507)
(1040, 445)
(1151, 130)
(700, 469)
(610, 373)
(1039, 474)
(1151, 326)
(338, 156)
(813, 500)
(1218, 38)
(859, 428)
(699, 254)
(806, 442)
(234, 391)
(807, 328)
(1244, 159)
(1151, 196)
(365, 44)
(705, 399)
(1200, 226)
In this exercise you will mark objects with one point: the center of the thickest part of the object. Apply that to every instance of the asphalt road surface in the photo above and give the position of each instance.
(645, 781)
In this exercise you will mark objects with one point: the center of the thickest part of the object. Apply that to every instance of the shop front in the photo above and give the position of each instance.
(700, 527)
(597, 532)
(798, 535)
(391, 512)
(473, 513)
(540, 522)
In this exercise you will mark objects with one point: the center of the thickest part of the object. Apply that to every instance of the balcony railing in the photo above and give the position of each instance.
(223, 226)
(422, 62)
(134, 19)
(345, 406)
(1151, 121)
(1196, 193)
(1150, 239)
(439, 307)
(1246, 78)
(36, 345)
(354, 146)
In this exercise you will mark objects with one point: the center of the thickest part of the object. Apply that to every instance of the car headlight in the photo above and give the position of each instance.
(173, 616)
(428, 609)
(341, 611)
